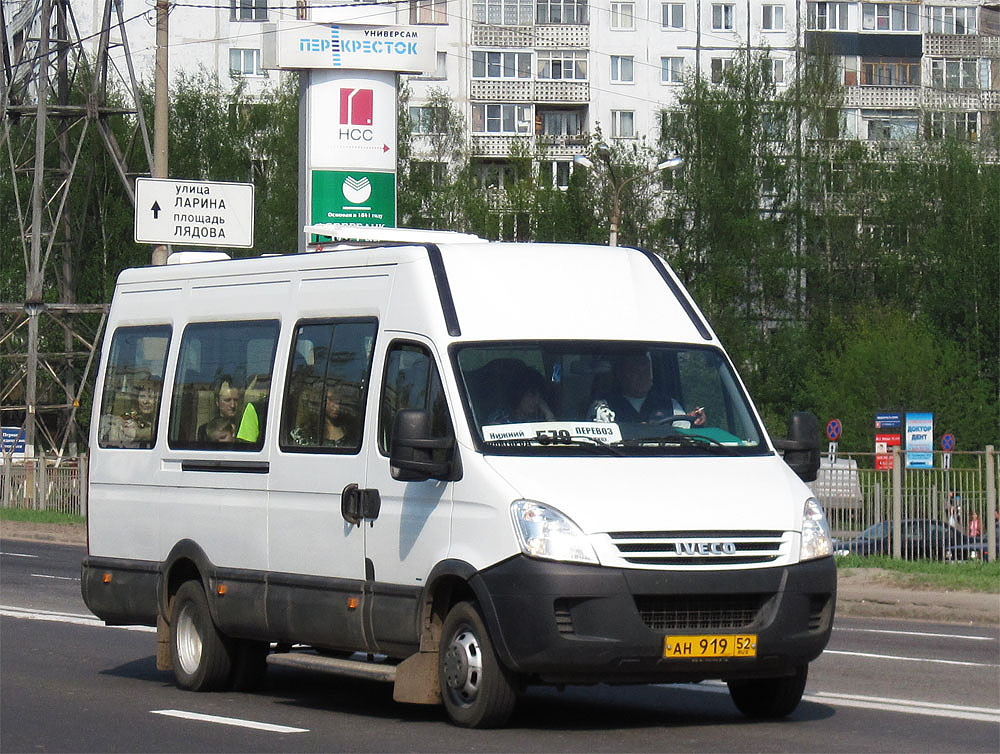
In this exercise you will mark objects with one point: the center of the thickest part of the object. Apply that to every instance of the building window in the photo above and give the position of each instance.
(622, 16)
(621, 69)
(891, 125)
(623, 124)
(772, 17)
(503, 12)
(243, 62)
(440, 71)
(672, 70)
(428, 120)
(890, 17)
(554, 173)
(561, 12)
(774, 70)
(890, 72)
(501, 65)
(722, 16)
(826, 16)
(672, 15)
(950, 73)
(718, 67)
(501, 119)
(562, 65)
(428, 11)
(951, 20)
(248, 10)
(953, 125)
(559, 123)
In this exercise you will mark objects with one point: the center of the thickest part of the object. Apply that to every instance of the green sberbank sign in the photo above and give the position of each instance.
(354, 197)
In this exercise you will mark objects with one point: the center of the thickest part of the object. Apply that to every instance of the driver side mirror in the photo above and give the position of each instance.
(801, 447)
(412, 450)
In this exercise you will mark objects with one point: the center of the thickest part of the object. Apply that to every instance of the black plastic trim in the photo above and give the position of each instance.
(678, 292)
(227, 467)
(444, 290)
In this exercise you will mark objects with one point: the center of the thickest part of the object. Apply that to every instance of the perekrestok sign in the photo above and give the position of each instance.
(302, 44)
(193, 213)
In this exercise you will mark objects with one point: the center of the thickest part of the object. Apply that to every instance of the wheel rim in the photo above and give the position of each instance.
(188, 641)
(463, 667)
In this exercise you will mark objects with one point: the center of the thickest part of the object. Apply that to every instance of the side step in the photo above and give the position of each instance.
(372, 671)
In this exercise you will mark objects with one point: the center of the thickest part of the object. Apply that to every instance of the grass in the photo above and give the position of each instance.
(971, 575)
(39, 517)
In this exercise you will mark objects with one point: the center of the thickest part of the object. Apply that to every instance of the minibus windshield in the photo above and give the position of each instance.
(605, 398)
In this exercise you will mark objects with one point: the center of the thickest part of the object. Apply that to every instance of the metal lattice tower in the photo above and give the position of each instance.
(48, 340)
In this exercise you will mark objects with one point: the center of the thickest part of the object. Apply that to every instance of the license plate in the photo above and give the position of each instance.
(709, 646)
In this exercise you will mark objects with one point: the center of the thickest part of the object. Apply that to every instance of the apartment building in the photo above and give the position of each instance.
(548, 73)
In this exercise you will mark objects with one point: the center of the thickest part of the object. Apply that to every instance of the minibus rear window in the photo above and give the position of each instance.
(222, 385)
(133, 387)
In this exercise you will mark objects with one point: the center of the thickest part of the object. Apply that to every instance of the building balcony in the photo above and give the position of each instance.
(554, 147)
(891, 97)
(961, 46)
(555, 36)
(524, 90)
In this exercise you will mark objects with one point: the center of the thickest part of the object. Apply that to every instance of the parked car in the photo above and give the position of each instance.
(922, 538)
(975, 548)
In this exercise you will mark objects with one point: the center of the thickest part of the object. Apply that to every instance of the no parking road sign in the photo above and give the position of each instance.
(833, 429)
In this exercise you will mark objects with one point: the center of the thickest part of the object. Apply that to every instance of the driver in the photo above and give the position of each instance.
(633, 400)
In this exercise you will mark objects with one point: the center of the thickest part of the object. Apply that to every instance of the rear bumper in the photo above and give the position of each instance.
(561, 623)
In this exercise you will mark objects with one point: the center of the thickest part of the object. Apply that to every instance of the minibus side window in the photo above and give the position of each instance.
(133, 387)
(222, 385)
(412, 381)
(324, 404)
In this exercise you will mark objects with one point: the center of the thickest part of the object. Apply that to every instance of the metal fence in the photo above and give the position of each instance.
(938, 505)
(44, 484)
(856, 496)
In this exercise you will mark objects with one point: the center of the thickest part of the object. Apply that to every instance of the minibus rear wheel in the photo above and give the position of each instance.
(477, 690)
(201, 655)
(769, 697)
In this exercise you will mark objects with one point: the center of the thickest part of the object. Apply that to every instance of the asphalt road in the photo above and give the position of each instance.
(68, 683)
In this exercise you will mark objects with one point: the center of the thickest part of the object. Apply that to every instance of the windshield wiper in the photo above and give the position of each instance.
(581, 441)
(691, 441)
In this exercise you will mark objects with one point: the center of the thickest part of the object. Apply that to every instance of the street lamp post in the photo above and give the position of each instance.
(618, 184)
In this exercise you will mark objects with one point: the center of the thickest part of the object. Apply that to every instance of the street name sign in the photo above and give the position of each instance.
(193, 213)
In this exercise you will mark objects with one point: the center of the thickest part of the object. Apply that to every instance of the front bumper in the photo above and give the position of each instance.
(562, 623)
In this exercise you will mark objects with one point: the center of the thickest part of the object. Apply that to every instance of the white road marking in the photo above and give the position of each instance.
(270, 727)
(77, 619)
(968, 637)
(906, 706)
(901, 658)
(17, 555)
(56, 578)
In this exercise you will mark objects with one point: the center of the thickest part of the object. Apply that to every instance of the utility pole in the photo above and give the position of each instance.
(161, 107)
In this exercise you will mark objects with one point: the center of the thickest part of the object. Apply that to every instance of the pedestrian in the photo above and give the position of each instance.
(974, 530)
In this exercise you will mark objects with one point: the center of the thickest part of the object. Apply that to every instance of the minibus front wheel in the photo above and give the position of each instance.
(201, 654)
(478, 691)
(769, 698)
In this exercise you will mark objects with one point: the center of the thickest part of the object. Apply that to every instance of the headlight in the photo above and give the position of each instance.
(816, 539)
(544, 532)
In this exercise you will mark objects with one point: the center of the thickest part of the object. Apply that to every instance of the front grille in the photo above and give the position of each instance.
(817, 605)
(697, 548)
(709, 612)
(564, 618)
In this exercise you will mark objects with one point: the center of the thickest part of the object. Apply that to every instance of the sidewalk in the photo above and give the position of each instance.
(861, 592)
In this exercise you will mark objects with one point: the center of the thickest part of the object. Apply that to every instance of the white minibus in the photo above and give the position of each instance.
(461, 467)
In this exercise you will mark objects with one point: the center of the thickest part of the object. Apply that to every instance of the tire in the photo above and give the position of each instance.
(478, 691)
(249, 664)
(769, 698)
(202, 656)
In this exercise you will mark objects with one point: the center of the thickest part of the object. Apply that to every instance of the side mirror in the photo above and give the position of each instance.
(411, 453)
(801, 447)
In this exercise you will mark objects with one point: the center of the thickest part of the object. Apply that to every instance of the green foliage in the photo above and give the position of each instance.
(40, 517)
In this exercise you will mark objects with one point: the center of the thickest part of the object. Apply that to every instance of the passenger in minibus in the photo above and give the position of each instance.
(633, 399)
(227, 401)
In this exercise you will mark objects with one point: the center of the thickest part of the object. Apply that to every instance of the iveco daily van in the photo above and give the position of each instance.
(459, 466)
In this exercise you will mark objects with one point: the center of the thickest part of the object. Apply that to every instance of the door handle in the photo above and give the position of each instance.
(357, 504)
